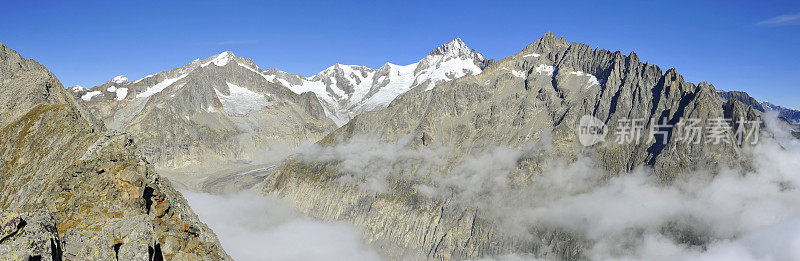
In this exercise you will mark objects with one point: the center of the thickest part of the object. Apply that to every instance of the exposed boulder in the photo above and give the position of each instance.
(28, 236)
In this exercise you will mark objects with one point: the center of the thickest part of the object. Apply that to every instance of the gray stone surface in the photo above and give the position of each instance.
(28, 235)
(742, 97)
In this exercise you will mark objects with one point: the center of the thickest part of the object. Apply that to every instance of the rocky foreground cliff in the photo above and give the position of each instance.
(452, 160)
(71, 189)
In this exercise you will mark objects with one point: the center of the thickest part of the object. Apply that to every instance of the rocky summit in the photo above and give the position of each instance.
(74, 190)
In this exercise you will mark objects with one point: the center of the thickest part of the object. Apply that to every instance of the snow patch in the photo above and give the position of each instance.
(591, 81)
(318, 88)
(519, 74)
(284, 82)
(112, 88)
(360, 78)
(400, 81)
(159, 87)
(220, 59)
(544, 68)
(122, 93)
(241, 101)
(534, 55)
(78, 88)
(269, 78)
(446, 70)
(88, 96)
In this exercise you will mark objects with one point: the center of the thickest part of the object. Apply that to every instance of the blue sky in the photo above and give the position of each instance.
(735, 45)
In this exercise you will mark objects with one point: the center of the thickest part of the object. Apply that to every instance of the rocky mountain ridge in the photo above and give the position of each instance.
(221, 115)
(209, 117)
(790, 115)
(343, 90)
(528, 104)
(348, 90)
(74, 190)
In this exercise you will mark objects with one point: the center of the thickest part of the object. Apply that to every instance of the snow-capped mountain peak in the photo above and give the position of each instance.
(347, 90)
(220, 59)
(343, 90)
(455, 47)
(77, 88)
(344, 70)
(121, 79)
(449, 61)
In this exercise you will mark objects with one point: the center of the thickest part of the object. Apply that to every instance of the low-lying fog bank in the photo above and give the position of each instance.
(732, 214)
(254, 227)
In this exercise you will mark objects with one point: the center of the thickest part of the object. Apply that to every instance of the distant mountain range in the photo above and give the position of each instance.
(224, 112)
(347, 90)
(790, 115)
(210, 116)
(343, 90)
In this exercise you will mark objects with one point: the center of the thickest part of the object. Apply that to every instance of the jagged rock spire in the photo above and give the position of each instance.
(454, 47)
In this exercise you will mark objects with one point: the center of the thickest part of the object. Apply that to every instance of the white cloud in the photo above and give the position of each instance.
(786, 19)
(735, 214)
(370, 162)
(253, 227)
(730, 214)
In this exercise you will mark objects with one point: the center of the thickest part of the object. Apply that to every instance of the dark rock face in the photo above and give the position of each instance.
(99, 199)
(542, 91)
(28, 236)
(742, 97)
(791, 116)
